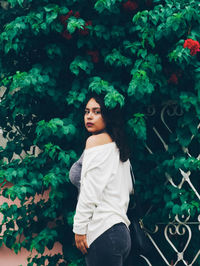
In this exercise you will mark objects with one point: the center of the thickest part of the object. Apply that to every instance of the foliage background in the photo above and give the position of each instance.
(51, 54)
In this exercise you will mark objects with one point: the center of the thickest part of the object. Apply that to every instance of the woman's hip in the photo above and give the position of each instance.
(113, 247)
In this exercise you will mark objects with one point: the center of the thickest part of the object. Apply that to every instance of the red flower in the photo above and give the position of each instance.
(94, 55)
(64, 18)
(77, 14)
(194, 46)
(66, 35)
(173, 79)
(85, 31)
(130, 5)
(70, 13)
(88, 23)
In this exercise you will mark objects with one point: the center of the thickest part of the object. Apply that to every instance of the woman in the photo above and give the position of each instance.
(101, 223)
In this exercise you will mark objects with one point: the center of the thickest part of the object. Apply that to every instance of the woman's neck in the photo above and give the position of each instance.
(99, 132)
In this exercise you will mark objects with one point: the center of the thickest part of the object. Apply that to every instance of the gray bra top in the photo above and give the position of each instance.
(75, 173)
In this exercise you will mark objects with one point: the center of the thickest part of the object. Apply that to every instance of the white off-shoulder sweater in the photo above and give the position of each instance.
(104, 195)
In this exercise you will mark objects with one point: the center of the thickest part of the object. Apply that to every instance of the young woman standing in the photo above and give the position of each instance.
(101, 222)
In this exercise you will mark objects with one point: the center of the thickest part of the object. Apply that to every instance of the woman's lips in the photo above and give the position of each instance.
(90, 124)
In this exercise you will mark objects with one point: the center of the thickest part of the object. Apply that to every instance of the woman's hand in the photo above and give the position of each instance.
(81, 243)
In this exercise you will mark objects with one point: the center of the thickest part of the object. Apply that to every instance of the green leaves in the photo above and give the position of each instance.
(140, 19)
(75, 23)
(10, 37)
(148, 66)
(36, 21)
(101, 32)
(187, 100)
(46, 236)
(55, 127)
(102, 5)
(180, 202)
(138, 126)
(36, 79)
(176, 20)
(180, 54)
(140, 84)
(80, 63)
(53, 51)
(117, 59)
(113, 98)
(21, 3)
(52, 11)
(52, 55)
(99, 85)
(10, 174)
(134, 47)
(75, 98)
(70, 218)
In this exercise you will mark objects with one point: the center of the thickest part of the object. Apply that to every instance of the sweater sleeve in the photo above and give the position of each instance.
(98, 166)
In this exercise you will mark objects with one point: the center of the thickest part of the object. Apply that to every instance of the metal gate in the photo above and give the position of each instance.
(181, 228)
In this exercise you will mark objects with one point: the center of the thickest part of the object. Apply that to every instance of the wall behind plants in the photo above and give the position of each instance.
(52, 53)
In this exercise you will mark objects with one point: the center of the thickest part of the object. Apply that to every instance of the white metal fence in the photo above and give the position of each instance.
(183, 227)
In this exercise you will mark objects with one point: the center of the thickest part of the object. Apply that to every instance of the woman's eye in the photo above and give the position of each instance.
(94, 112)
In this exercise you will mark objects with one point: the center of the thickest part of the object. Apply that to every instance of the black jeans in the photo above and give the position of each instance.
(111, 248)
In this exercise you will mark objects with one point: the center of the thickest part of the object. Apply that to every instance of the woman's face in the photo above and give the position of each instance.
(93, 119)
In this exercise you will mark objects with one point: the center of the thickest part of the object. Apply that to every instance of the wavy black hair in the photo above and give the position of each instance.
(115, 125)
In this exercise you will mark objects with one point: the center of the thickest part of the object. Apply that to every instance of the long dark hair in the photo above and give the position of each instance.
(115, 125)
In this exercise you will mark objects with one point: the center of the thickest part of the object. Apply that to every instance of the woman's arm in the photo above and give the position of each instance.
(99, 164)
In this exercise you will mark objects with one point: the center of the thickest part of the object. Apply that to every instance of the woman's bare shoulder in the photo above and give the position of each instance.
(99, 139)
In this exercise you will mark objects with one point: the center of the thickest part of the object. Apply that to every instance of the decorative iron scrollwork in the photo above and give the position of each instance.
(180, 226)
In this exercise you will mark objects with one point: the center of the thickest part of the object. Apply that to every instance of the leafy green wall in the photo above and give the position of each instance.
(141, 53)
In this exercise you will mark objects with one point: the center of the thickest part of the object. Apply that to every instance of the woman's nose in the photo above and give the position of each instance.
(89, 115)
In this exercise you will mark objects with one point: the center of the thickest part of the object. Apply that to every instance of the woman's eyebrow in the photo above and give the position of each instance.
(94, 108)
